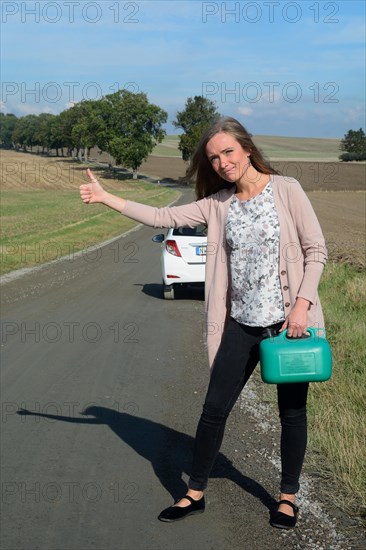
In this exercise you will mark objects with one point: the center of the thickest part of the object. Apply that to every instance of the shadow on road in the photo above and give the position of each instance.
(169, 451)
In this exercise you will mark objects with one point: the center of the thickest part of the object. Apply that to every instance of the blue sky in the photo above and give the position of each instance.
(283, 68)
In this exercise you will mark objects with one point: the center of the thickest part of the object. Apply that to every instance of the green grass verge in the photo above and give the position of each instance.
(164, 151)
(337, 407)
(45, 225)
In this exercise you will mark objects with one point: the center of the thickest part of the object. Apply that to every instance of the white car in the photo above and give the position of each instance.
(183, 258)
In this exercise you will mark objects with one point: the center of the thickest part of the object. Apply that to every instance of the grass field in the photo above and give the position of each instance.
(42, 222)
(168, 147)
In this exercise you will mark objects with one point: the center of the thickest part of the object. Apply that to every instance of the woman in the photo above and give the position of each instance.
(265, 257)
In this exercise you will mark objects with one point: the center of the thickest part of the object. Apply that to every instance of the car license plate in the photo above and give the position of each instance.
(201, 250)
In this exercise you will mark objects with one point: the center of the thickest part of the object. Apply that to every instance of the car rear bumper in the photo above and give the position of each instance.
(184, 274)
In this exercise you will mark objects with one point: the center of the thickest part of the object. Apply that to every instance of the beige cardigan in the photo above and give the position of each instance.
(302, 249)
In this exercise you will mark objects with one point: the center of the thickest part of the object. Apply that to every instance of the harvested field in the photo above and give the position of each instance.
(328, 176)
(313, 175)
(337, 190)
(25, 169)
(29, 171)
(342, 215)
(273, 147)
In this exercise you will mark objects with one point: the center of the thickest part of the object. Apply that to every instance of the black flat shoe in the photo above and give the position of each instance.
(284, 521)
(174, 513)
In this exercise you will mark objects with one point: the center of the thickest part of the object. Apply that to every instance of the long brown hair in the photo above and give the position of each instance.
(200, 171)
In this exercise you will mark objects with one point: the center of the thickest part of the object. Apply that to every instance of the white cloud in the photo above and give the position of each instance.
(27, 109)
(354, 114)
(352, 33)
(246, 111)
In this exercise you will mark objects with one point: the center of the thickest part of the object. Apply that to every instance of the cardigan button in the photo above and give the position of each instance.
(287, 304)
(285, 288)
(283, 272)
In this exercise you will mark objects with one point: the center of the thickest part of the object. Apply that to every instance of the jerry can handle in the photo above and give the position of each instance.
(313, 333)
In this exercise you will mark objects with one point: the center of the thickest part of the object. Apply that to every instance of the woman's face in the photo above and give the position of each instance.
(227, 157)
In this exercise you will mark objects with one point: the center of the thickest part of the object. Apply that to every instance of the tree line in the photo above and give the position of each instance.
(127, 126)
(124, 124)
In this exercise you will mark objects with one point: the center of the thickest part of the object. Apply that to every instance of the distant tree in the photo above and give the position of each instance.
(199, 113)
(123, 124)
(354, 143)
(131, 127)
(68, 120)
(42, 131)
(7, 125)
(25, 132)
(56, 139)
(89, 126)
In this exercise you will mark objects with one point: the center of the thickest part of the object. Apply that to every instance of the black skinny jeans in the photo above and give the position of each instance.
(236, 360)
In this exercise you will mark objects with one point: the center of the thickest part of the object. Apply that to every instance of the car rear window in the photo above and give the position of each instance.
(199, 231)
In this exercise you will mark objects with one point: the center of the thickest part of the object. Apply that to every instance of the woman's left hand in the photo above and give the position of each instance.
(296, 322)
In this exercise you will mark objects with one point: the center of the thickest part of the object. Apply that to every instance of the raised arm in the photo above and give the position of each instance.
(190, 215)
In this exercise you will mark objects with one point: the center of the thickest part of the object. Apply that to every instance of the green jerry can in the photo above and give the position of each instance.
(286, 360)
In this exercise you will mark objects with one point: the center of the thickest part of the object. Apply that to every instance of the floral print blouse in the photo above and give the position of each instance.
(253, 235)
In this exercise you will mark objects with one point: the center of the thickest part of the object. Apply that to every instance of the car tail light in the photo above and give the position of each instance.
(172, 248)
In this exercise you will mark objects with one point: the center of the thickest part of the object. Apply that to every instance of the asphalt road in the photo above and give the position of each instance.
(102, 387)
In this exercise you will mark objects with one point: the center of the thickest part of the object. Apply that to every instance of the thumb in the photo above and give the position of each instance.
(96, 186)
(90, 175)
